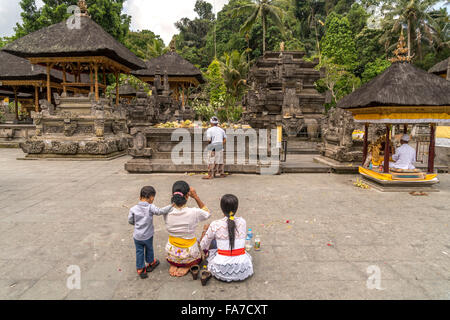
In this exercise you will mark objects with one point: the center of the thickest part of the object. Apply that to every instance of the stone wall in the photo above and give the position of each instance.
(11, 135)
(159, 150)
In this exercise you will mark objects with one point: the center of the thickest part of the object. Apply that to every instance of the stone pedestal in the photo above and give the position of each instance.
(160, 150)
(78, 127)
(338, 143)
(11, 135)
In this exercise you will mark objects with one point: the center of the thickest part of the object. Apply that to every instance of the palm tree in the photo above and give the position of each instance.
(262, 9)
(155, 49)
(234, 70)
(415, 15)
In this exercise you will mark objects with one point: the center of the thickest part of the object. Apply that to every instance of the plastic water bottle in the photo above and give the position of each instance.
(250, 234)
(248, 240)
(257, 243)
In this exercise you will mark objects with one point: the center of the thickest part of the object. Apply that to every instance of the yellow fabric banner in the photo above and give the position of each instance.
(443, 132)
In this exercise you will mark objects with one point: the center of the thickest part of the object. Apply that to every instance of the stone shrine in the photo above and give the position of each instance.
(338, 143)
(282, 93)
(77, 127)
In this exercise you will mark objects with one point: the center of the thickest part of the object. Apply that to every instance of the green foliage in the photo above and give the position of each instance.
(357, 17)
(191, 41)
(234, 68)
(418, 18)
(203, 110)
(145, 44)
(375, 68)
(126, 79)
(3, 42)
(338, 80)
(216, 85)
(338, 42)
(106, 13)
(265, 11)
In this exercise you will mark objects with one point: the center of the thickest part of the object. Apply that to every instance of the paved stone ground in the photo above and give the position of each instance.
(54, 214)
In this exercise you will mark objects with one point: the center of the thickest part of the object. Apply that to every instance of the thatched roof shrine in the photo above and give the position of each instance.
(76, 46)
(176, 67)
(442, 69)
(401, 84)
(59, 40)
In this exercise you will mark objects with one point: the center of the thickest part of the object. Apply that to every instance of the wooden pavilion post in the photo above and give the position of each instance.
(387, 149)
(36, 99)
(64, 78)
(405, 129)
(49, 89)
(366, 144)
(78, 72)
(16, 103)
(104, 80)
(183, 102)
(117, 88)
(91, 79)
(97, 96)
(432, 151)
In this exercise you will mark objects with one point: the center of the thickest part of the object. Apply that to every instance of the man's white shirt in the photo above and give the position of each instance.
(215, 135)
(404, 157)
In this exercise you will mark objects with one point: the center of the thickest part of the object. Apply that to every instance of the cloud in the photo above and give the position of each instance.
(9, 15)
(160, 16)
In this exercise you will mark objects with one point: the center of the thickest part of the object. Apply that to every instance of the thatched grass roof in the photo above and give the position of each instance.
(17, 68)
(173, 64)
(441, 67)
(401, 84)
(59, 41)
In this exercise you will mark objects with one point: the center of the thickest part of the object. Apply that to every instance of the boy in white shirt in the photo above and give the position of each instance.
(217, 138)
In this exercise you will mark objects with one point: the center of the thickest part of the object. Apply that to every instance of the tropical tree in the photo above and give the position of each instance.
(339, 41)
(145, 44)
(415, 15)
(191, 41)
(337, 80)
(234, 69)
(260, 9)
(215, 83)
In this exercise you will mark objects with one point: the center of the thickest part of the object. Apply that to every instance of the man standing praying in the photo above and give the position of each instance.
(217, 138)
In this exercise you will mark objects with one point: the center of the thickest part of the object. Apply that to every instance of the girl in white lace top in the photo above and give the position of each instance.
(229, 261)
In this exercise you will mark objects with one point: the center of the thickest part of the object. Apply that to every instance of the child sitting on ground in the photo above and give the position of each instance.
(229, 261)
(141, 216)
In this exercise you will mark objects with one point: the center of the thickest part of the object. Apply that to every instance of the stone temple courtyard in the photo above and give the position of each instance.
(319, 235)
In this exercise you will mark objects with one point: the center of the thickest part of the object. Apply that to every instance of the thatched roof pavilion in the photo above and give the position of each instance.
(442, 69)
(180, 72)
(401, 85)
(76, 48)
(18, 75)
(403, 94)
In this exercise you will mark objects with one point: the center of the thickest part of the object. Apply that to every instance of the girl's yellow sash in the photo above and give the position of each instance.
(182, 243)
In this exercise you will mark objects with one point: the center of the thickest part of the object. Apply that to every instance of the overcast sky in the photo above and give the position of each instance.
(157, 15)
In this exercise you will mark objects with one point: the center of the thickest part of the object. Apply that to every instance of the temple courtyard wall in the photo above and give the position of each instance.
(321, 236)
